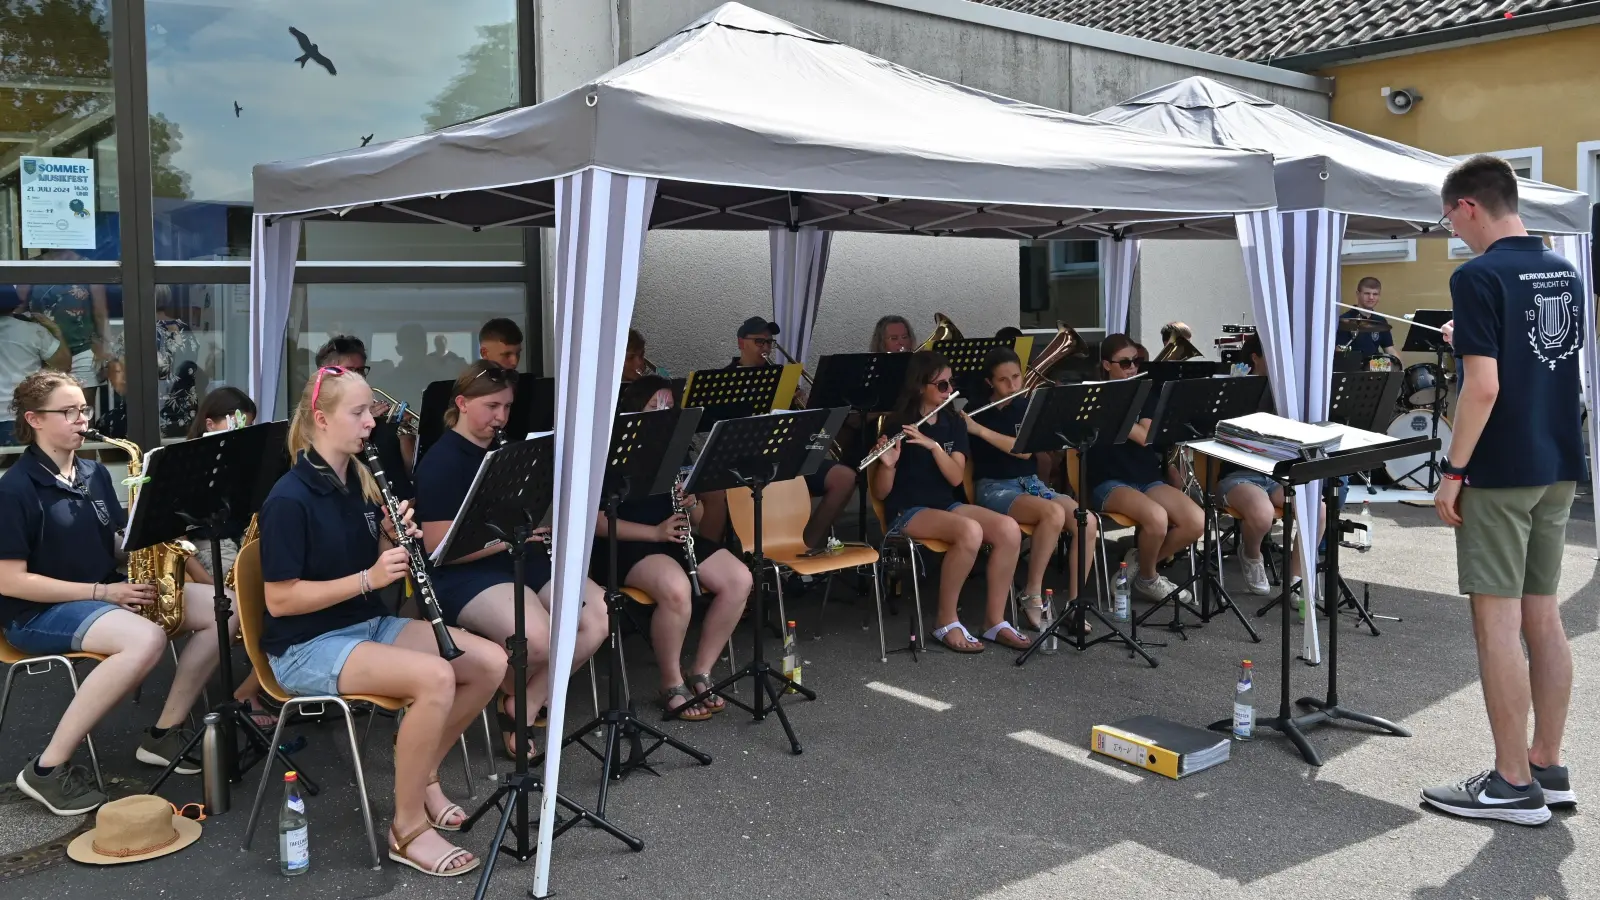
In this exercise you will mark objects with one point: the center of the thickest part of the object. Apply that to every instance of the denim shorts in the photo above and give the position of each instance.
(904, 517)
(998, 494)
(58, 627)
(312, 668)
(1245, 476)
(1103, 490)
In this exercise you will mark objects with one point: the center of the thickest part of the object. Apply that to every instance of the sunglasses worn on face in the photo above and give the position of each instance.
(943, 385)
(1129, 363)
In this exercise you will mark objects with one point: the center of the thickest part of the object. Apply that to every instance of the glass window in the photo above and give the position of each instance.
(415, 335)
(58, 167)
(1060, 282)
(41, 324)
(234, 83)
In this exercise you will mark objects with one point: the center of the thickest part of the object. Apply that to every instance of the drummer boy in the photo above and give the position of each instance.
(1370, 343)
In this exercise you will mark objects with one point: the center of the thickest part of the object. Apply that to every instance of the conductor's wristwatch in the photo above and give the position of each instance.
(1448, 468)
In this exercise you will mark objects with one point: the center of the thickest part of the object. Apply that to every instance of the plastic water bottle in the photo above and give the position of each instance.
(1364, 536)
(294, 841)
(791, 654)
(1244, 703)
(1121, 595)
(1051, 643)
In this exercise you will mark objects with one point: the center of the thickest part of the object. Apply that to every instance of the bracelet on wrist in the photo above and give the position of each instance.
(1448, 476)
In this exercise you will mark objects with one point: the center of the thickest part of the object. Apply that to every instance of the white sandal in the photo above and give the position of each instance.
(940, 632)
(993, 636)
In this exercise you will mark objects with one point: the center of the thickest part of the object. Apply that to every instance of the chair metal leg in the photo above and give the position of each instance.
(466, 766)
(361, 783)
(5, 693)
(94, 757)
(777, 580)
(827, 589)
(877, 601)
(916, 594)
(266, 771)
(594, 687)
(488, 744)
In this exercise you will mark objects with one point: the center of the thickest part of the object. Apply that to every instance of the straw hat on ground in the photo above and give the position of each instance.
(133, 829)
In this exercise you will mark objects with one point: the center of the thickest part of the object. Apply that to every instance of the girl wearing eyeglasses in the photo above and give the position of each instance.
(651, 556)
(477, 591)
(327, 548)
(1009, 484)
(1126, 479)
(60, 592)
(917, 482)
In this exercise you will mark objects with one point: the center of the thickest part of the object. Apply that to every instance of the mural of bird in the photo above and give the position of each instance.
(311, 53)
(237, 109)
(368, 139)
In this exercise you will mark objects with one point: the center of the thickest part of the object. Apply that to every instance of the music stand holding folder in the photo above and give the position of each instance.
(1190, 410)
(868, 383)
(1077, 417)
(509, 496)
(753, 453)
(1360, 400)
(740, 392)
(637, 466)
(1329, 469)
(207, 489)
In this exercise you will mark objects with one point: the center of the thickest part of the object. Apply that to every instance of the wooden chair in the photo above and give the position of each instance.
(39, 665)
(252, 605)
(785, 508)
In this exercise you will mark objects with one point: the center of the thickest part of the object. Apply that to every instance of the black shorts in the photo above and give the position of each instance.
(457, 585)
(817, 481)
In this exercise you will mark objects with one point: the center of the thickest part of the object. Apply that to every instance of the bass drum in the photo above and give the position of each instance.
(1424, 385)
(1410, 472)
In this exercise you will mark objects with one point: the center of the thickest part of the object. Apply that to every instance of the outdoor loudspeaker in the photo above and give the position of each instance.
(1400, 100)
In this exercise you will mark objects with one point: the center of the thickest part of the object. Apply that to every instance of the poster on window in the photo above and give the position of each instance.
(57, 203)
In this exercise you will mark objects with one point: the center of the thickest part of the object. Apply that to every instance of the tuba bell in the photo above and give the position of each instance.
(1177, 349)
(161, 565)
(1066, 343)
(943, 330)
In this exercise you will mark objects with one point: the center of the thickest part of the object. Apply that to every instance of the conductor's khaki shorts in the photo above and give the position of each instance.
(1511, 539)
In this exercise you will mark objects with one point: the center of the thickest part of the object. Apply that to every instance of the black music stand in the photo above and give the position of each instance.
(1077, 417)
(207, 489)
(1359, 400)
(966, 355)
(1190, 410)
(753, 453)
(1429, 340)
(1329, 469)
(637, 466)
(739, 392)
(510, 494)
(1160, 373)
(868, 383)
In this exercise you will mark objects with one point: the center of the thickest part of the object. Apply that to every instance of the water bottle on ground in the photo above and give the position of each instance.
(1121, 595)
(791, 654)
(1244, 703)
(1046, 615)
(294, 841)
(1364, 536)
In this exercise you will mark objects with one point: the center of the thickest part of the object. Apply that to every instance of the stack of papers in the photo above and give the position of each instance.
(1275, 437)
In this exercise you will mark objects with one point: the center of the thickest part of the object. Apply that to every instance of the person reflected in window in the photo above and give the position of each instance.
(398, 451)
(443, 358)
(500, 340)
(27, 344)
(80, 311)
(892, 334)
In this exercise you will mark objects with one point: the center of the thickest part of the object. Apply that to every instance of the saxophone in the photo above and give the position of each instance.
(161, 565)
(252, 533)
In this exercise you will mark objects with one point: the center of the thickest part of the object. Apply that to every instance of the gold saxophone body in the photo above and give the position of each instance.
(252, 533)
(161, 565)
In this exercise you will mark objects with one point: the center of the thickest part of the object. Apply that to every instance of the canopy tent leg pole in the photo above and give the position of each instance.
(1578, 249)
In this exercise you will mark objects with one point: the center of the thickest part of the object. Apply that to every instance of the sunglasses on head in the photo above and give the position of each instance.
(498, 374)
(316, 389)
(942, 384)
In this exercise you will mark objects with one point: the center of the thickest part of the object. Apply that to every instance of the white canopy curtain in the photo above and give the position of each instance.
(601, 220)
(1261, 240)
(799, 266)
(1119, 260)
(273, 247)
(1578, 249)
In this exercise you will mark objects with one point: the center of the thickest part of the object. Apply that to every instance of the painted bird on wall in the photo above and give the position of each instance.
(311, 53)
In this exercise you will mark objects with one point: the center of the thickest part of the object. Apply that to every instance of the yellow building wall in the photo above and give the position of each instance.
(1536, 91)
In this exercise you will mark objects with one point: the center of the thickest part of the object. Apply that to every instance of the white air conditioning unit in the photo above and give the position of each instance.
(1381, 251)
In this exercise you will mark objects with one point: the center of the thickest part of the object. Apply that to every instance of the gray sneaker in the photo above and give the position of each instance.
(159, 751)
(67, 791)
(1558, 793)
(1488, 796)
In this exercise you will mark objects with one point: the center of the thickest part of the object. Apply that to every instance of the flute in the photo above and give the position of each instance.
(895, 441)
(1374, 312)
(418, 563)
(1003, 400)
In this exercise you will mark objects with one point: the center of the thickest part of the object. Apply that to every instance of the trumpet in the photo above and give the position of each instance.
(895, 440)
(401, 414)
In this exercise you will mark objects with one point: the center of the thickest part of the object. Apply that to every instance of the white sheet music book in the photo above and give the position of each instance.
(133, 507)
(1350, 439)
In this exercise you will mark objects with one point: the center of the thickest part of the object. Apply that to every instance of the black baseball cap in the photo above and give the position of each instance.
(757, 325)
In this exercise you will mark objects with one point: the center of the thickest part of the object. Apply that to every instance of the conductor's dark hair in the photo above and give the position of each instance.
(1488, 181)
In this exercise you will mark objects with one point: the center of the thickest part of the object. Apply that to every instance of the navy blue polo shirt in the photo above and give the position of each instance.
(917, 479)
(66, 533)
(989, 461)
(315, 529)
(1364, 342)
(1129, 462)
(1522, 305)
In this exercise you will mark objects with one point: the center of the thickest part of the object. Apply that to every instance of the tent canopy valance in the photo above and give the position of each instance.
(748, 122)
(1386, 189)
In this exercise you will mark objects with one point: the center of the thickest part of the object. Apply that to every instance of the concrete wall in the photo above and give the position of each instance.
(696, 286)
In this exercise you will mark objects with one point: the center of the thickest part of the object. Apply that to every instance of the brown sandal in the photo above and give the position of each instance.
(440, 867)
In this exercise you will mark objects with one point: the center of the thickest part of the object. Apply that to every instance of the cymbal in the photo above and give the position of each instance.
(1359, 325)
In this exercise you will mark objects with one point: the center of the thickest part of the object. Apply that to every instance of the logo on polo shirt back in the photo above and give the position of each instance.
(372, 524)
(1553, 336)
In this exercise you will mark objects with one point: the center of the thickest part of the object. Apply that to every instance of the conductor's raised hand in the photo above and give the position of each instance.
(393, 564)
(1449, 329)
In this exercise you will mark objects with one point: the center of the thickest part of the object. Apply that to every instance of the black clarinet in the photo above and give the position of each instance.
(690, 566)
(419, 563)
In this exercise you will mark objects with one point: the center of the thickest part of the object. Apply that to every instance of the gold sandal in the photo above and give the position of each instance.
(441, 866)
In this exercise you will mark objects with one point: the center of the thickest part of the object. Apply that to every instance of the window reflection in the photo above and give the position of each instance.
(237, 82)
(1061, 282)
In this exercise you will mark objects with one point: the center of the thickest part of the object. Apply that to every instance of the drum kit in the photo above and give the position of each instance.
(1421, 408)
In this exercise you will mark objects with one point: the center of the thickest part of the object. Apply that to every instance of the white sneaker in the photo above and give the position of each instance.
(1255, 575)
(1158, 588)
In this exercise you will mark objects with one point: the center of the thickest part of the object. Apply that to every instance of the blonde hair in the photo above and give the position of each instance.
(303, 425)
(31, 394)
(480, 379)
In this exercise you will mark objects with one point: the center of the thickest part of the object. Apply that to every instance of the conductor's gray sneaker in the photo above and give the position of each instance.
(1558, 793)
(1488, 796)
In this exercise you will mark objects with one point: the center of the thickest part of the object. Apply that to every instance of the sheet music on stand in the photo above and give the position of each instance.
(740, 392)
(470, 533)
(241, 467)
(1349, 439)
